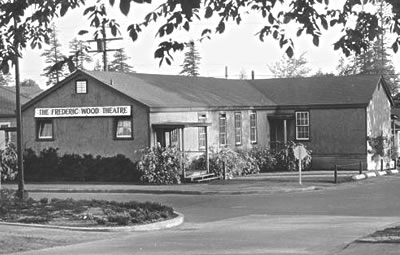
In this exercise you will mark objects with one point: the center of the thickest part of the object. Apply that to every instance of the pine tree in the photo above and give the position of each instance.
(119, 63)
(191, 63)
(53, 55)
(79, 49)
(290, 67)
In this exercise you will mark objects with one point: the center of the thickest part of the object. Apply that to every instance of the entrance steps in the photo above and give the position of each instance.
(200, 176)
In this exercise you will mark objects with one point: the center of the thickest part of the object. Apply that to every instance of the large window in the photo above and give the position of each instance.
(302, 126)
(222, 129)
(44, 129)
(81, 87)
(202, 132)
(123, 128)
(238, 128)
(253, 127)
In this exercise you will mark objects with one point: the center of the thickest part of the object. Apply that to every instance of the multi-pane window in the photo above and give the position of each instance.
(123, 128)
(222, 129)
(238, 128)
(4, 139)
(302, 126)
(253, 127)
(45, 129)
(81, 87)
(202, 132)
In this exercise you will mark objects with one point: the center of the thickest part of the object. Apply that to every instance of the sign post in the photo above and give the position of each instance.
(300, 153)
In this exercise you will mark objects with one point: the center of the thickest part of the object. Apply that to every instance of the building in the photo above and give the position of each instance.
(7, 111)
(106, 113)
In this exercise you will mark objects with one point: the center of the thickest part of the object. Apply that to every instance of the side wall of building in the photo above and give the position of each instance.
(378, 122)
(90, 135)
(6, 137)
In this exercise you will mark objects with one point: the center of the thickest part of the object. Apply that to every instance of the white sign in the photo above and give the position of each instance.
(88, 111)
(300, 152)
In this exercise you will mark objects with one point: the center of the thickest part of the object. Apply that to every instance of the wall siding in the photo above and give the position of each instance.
(90, 135)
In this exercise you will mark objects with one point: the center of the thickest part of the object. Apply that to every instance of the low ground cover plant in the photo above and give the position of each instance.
(69, 212)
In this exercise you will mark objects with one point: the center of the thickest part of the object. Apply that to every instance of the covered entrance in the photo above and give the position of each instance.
(172, 134)
(282, 130)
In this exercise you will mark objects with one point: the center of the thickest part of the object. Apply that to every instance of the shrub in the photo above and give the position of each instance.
(265, 159)
(232, 160)
(249, 164)
(160, 165)
(8, 162)
(33, 220)
(121, 219)
(287, 161)
(49, 166)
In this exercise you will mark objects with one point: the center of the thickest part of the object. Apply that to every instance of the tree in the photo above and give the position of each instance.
(191, 63)
(98, 66)
(290, 67)
(53, 55)
(243, 74)
(119, 63)
(78, 49)
(29, 83)
(320, 73)
(5, 79)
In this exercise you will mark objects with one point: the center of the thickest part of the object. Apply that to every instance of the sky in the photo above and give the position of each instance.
(238, 47)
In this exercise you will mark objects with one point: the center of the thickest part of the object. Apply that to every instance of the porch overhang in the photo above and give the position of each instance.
(174, 125)
(8, 129)
(280, 116)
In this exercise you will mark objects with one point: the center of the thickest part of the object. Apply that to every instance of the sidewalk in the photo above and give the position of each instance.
(261, 183)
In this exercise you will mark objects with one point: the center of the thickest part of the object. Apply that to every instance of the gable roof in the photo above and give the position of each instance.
(7, 98)
(341, 90)
(173, 91)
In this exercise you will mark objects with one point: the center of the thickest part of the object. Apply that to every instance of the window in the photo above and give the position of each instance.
(45, 129)
(238, 128)
(202, 132)
(81, 87)
(302, 126)
(222, 129)
(4, 139)
(253, 127)
(123, 128)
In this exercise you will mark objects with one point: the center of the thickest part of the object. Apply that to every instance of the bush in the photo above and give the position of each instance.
(8, 162)
(160, 165)
(49, 166)
(265, 159)
(287, 161)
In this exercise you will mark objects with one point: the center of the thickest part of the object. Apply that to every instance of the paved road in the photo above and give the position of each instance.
(313, 222)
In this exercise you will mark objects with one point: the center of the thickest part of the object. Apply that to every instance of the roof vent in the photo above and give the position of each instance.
(111, 82)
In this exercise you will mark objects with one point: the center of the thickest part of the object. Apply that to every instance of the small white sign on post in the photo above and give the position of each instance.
(300, 153)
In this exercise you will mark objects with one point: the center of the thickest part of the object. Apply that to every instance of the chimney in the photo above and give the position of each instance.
(252, 74)
(226, 72)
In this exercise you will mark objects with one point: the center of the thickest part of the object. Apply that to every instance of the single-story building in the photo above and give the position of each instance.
(108, 113)
(7, 110)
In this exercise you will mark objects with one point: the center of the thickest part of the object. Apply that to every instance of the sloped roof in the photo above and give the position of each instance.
(173, 91)
(182, 91)
(7, 98)
(342, 90)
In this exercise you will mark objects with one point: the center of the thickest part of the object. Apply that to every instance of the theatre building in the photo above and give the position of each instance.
(109, 113)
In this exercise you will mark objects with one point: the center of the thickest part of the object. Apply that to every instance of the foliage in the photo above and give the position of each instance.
(49, 166)
(78, 49)
(109, 213)
(287, 161)
(380, 146)
(119, 63)
(265, 159)
(290, 67)
(160, 165)
(52, 56)
(29, 83)
(5, 79)
(191, 63)
(8, 162)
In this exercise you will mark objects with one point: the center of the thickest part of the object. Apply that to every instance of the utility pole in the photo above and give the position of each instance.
(21, 180)
(102, 45)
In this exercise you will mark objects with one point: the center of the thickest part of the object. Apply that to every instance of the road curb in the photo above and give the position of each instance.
(370, 174)
(137, 228)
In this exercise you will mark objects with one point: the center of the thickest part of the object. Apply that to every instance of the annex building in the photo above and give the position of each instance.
(109, 113)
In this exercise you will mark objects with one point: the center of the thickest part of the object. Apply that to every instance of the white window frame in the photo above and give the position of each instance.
(202, 117)
(253, 127)
(41, 124)
(81, 86)
(117, 126)
(222, 129)
(238, 128)
(303, 122)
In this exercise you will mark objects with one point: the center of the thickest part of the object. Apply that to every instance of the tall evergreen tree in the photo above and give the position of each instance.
(191, 63)
(52, 57)
(119, 62)
(78, 49)
(290, 67)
